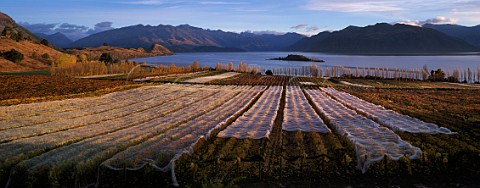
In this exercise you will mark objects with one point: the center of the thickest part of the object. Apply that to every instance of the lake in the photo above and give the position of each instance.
(446, 62)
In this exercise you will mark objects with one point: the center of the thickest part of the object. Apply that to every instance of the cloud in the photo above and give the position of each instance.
(311, 28)
(38, 28)
(72, 31)
(100, 27)
(436, 20)
(222, 3)
(299, 26)
(163, 2)
(305, 27)
(440, 20)
(354, 6)
(70, 28)
(408, 22)
(144, 2)
(269, 32)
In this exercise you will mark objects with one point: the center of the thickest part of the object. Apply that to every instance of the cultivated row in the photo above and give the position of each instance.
(372, 142)
(91, 145)
(257, 122)
(162, 150)
(52, 107)
(299, 115)
(389, 118)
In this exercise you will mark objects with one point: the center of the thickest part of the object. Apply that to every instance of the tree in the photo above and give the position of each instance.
(230, 66)
(4, 32)
(7, 31)
(106, 58)
(45, 56)
(19, 37)
(438, 75)
(195, 66)
(82, 58)
(218, 67)
(45, 42)
(65, 60)
(269, 72)
(13, 36)
(13, 56)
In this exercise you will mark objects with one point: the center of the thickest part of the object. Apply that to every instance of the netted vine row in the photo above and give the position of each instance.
(253, 79)
(83, 149)
(8, 113)
(211, 78)
(372, 142)
(162, 150)
(389, 118)
(257, 122)
(299, 115)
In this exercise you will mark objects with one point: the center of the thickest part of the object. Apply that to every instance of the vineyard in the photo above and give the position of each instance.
(238, 129)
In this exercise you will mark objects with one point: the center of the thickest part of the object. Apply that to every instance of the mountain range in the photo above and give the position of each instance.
(468, 34)
(57, 39)
(374, 39)
(380, 38)
(384, 38)
(184, 38)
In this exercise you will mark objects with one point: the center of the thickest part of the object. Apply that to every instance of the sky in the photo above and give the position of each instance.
(79, 18)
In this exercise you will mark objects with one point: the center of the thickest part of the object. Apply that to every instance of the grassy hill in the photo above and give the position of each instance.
(32, 52)
(122, 53)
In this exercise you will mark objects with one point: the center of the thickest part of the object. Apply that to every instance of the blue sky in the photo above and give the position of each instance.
(302, 16)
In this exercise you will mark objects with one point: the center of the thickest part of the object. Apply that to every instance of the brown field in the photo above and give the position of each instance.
(20, 89)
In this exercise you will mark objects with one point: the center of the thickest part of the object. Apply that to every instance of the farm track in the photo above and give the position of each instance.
(273, 147)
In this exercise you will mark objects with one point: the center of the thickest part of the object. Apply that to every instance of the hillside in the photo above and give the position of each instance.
(14, 30)
(32, 55)
(470, 35)
(57, 39)
(186, 38)
(384, 39)
(18, 38)
(308, 42)
(122, 53)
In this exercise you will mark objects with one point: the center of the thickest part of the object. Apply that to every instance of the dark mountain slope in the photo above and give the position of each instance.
(384, 39)
(468, 34)
(186, 38)
(57, 39)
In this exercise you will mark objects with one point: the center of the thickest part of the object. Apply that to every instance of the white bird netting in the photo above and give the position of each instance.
(212, 78)
(372, 142)
(299, 115)
(85, 147)
(389, 118)
(258, 121)
(172, 144)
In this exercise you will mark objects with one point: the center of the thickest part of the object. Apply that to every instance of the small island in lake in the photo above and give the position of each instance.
(294, 57)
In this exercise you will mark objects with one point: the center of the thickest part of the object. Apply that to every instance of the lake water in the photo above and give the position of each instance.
(259, 59)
